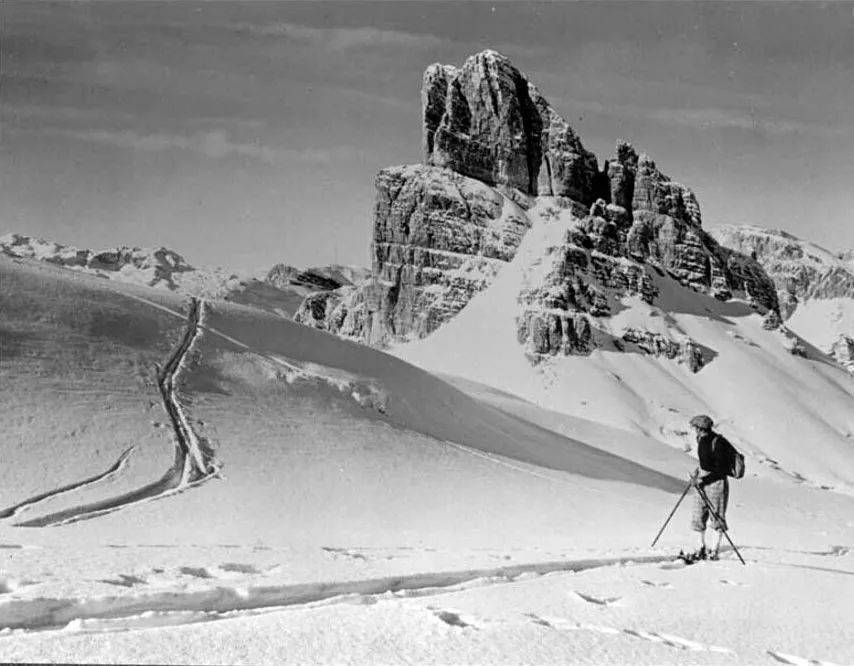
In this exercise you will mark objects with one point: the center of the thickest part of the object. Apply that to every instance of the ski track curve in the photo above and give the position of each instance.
(113, 471)
(194, 461)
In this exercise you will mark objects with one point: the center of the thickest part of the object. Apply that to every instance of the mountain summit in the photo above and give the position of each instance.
(497, 156)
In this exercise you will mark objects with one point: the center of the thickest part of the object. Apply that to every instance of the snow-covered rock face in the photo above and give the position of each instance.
(801, 270)
(601, 261)
(815, 287)
(498, 157)
(152, 266)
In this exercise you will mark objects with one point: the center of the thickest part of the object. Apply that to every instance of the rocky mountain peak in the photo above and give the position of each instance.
(498, 159)
(486, 121)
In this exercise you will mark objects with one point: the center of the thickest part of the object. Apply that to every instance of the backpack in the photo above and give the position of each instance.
(734, 459)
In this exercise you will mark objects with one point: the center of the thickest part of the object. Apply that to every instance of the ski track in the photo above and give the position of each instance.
(113, 471)
(194, 461)
(56, 613)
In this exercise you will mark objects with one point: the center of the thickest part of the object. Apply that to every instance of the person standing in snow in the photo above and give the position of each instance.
(711, 478)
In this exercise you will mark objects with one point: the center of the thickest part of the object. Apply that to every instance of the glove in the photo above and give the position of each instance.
(694, 478)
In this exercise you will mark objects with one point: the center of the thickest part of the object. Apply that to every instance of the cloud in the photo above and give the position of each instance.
(59, 114)
(341, 39)
(214, 144)
(719, 118)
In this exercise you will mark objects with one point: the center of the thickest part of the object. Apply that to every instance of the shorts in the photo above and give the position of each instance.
(718, 494)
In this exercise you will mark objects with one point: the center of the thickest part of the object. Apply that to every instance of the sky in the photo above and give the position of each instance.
(245, 134)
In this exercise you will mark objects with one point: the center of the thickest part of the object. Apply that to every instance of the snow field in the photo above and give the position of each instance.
(369, 512)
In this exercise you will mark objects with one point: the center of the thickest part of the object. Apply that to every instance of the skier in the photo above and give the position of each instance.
(710, 478)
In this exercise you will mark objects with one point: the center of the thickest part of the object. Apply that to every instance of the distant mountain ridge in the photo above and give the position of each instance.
(815, 287)
(800, 269)
(281, 291)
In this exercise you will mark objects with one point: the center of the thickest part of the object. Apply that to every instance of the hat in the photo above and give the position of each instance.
(702, 422)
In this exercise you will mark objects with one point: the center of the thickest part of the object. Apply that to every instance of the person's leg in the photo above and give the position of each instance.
(718, 544)
(699, 518)
(718, 494)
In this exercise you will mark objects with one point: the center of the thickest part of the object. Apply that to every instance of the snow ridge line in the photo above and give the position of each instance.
(47, 613)
(117, 467)
(506, 462)
(194, 461)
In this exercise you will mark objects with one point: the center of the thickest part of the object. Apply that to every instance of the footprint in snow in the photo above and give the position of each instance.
(453, 618)
(236, 567)
(665, 585)
(562, 624)
(605, 601)
(835, 551)
(196, 572)
(536, 619)
(125, 580)
(796, 661)
(343, 552)
(675, 641)
(733, 582)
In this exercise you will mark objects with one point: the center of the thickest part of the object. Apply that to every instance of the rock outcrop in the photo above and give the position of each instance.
(438, 239)
(318, 278)
(613, 253)
(843, 352)
(684, 350)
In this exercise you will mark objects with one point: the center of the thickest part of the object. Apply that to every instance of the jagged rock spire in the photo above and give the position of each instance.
(485, 120)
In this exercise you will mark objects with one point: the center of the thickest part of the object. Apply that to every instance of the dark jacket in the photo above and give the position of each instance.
(711, 450)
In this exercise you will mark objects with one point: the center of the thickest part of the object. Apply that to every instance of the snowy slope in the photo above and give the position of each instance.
(773, 404)
(355, 508)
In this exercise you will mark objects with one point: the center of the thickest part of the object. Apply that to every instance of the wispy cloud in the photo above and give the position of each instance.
(58, 114)
(215, 144)
(344, 38)
(719, 118)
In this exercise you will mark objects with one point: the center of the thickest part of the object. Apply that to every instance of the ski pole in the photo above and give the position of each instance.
(719, 521)
(685, 492)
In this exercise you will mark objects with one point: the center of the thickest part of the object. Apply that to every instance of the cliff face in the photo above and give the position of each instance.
(800, 270)
(607, 257)
(487, 121)
(494, 152)
(815, 287)
(439, 238)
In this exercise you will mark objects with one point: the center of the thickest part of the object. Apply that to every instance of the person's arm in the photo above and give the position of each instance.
(707, 462)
